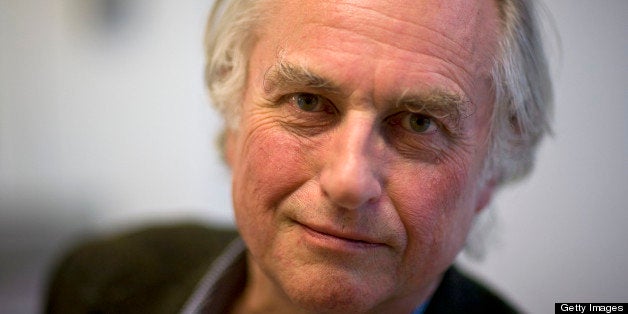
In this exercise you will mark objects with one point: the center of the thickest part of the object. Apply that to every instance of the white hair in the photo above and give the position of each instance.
(523, 92)
(229, 38)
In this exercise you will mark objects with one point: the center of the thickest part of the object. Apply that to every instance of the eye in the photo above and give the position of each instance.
(309, 102)
(418, 123)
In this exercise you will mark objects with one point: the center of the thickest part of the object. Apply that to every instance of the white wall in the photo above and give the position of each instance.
(101, 124)
(106, 125)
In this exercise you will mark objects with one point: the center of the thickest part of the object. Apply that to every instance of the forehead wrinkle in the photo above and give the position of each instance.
(470, 66)
(402, 27)
(460, 49)
(418, 48)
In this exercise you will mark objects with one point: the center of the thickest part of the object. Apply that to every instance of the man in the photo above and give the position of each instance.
(364, 138)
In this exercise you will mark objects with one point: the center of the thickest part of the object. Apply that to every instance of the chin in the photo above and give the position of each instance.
(329, 291)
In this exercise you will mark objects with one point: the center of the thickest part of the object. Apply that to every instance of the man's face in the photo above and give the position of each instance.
(358, 161)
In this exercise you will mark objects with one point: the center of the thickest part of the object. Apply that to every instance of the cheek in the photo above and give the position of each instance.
(268, 167)
(436, 209)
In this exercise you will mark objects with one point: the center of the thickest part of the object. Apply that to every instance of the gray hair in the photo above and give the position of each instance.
(523, 92)
(229, 38)
(522, 110)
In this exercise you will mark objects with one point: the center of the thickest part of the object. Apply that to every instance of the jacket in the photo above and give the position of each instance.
(155, 270)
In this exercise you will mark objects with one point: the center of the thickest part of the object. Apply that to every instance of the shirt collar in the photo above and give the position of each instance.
(222, 283)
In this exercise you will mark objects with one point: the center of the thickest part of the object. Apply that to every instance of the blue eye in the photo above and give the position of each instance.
(418, 123)
(309, 102)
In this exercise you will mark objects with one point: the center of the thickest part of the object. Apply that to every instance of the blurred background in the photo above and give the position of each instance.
(105, 125)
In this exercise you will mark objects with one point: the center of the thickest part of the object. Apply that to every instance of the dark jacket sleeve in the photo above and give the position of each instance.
(458, 293)
(151, 271)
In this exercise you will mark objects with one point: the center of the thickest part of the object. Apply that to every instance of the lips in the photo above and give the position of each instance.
(334, 235)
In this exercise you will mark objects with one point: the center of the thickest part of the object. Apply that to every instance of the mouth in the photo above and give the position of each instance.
(334, 239)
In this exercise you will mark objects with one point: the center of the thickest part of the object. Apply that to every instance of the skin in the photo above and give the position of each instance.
(346, 204)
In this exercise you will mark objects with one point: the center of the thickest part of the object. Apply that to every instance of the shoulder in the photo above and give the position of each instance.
(150, 270)
(459, 293)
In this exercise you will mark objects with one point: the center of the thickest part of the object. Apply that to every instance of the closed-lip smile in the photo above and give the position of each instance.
(338, 238)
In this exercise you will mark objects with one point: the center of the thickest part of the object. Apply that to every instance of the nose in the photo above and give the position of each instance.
(351, 170)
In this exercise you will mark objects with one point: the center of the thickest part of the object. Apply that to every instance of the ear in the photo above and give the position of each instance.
(486, 194)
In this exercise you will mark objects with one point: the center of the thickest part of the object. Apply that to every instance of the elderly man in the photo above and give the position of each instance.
(364, 138)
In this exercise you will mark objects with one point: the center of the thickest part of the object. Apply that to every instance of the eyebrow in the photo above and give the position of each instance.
(436, 102)
(286, 75)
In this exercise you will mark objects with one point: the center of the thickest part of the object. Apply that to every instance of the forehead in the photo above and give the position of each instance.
(460, 20)
(430, 44)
